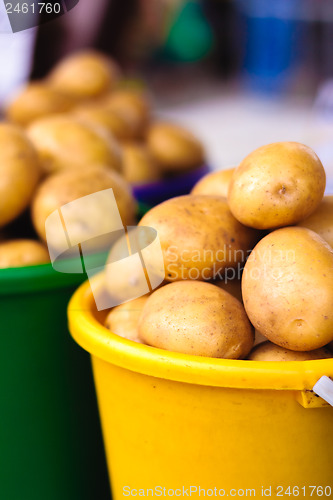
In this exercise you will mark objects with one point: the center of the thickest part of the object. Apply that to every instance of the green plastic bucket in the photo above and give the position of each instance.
(50, 440)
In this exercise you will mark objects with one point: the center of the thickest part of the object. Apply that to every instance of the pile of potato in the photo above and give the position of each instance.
(250, 250)
(79, 131)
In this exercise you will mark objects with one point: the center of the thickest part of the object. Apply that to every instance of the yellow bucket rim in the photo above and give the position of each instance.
(90, 334)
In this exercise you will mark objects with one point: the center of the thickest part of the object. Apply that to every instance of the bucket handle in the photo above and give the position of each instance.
(324, 389)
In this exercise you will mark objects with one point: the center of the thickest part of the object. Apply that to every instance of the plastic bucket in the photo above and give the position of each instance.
(154, 193)
(51, 446)
(176, 421)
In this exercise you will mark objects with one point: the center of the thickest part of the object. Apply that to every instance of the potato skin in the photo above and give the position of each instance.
(19, 172)
(277, 185)
(123, 320)
(127, 282)
(67, 186)
(138, 165)
(135, 107)
(321, 220)
(196, 318)
(199, 236)
(215, 183)
(120, 125)
(35, 101)
(64, 142)
(287, 288)
(18, 253)
(174, 148)
(267, 351)
(85, 75)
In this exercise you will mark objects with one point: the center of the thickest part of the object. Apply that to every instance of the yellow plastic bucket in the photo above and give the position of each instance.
(181, 425)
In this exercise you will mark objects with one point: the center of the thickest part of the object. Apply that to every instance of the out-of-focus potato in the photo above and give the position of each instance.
(196, 318)
(134, 105)
(18, 253)
(35, 101)
(321, 220)
(277, 185)
(174, 148)
(84, 219)
(199, 236)
(267, 351)
(216, 183)
(123, 320)
(287, 289)
(119, 124)
(19, 172)
(85, 75)
(138, 165)
(65, 142)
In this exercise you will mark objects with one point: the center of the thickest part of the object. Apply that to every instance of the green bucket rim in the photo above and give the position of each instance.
(36, 278)
(18, 280)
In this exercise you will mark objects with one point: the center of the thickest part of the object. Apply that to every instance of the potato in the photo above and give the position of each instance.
(321, 220)
(18, 253)
(216, 183)
(125, 282)
(135, 107)
(199, 236)
(174, 148)
(128, 279)
(267, 351)
(123, 320)
(138, 165)
(287, 288)
(196, 318)
(85, 219)
(120, 125)
(232, 286)
(277, 185)
(35, 101)
(19, 172)
(85, 75)
(64, 142)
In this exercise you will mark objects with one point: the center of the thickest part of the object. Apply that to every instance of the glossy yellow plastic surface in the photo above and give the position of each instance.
(176, 421)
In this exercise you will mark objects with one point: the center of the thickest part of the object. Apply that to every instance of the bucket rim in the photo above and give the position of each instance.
(41, 277)
(95, 338)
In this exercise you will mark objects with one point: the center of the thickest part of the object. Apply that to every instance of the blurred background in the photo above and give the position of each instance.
(238, 73)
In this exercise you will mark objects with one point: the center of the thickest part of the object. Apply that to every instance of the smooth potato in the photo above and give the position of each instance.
(174, 148)
(267, 351)
(65, 142)
(216, 183)
(277, 185)
(19, 172)
(85, 75)
(197, 318)
(125, 281)
(35, 101)
(86, 218)
(119, 124)
(123, 320)
(18, 253)
(287, 288)
(321, 220)
(135, 107)
(138, 165)
(199, 236)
